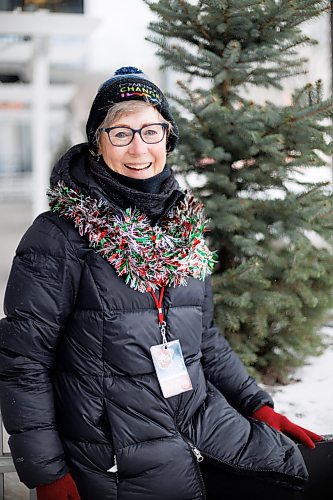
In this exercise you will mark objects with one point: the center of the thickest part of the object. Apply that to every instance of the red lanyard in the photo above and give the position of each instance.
(158, 304)
(161, 321)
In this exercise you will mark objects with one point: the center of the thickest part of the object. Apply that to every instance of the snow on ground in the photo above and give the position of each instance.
(309, 400)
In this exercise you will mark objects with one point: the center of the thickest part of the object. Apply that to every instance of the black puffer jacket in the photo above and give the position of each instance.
(78, 387)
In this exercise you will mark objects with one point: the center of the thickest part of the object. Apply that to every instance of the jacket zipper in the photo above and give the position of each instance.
(197, 458)
(114, 468)
(197, 454)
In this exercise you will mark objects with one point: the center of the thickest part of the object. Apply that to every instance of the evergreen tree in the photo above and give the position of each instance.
(272, 227)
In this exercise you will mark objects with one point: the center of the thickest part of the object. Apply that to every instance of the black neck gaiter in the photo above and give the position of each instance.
(151, 185)
(153, 196)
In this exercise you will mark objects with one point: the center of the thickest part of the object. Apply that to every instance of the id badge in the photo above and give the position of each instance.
(170, 368)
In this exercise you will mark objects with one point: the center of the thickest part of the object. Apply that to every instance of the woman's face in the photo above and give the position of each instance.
(138, 160)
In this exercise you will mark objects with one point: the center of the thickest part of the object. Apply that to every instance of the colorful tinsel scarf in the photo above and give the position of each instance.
(147, 257)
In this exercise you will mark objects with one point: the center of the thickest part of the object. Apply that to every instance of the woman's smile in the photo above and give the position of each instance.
(138, 166)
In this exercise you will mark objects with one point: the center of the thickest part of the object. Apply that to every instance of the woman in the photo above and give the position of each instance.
(115, 382)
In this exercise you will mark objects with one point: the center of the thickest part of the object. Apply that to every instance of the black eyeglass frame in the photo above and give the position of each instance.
(165, 126)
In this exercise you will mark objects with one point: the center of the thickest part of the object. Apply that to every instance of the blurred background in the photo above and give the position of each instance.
(53, 56)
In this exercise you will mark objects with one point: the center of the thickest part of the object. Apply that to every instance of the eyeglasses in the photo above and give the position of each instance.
(123, 136)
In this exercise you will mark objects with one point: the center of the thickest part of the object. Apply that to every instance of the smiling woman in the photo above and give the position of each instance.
(115, 382)
(135, 143)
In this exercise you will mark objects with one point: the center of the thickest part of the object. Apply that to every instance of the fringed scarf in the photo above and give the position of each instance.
(146, 256)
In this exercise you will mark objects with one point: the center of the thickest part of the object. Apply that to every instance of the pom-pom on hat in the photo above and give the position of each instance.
(128, 83)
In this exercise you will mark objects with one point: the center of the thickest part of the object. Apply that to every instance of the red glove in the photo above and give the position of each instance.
(62, 489)
(281, 423)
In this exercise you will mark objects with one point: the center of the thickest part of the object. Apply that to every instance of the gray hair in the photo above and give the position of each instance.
(121, 108)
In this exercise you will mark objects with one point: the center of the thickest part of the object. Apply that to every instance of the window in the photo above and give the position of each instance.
(69, 6)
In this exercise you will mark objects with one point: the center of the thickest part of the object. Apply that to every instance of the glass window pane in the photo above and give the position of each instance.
(69, 6)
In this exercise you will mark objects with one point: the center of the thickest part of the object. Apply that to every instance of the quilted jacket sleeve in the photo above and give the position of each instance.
(40, 293)
(223, 367)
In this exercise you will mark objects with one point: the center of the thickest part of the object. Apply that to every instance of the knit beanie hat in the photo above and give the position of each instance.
(128, 83)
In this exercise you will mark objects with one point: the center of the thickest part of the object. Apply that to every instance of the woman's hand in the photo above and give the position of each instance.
(283, 424)
(62, 489)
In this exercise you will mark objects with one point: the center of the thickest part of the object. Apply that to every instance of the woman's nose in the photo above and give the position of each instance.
(137, 146)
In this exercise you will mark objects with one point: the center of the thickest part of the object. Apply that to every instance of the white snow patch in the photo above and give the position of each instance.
(309, 401)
